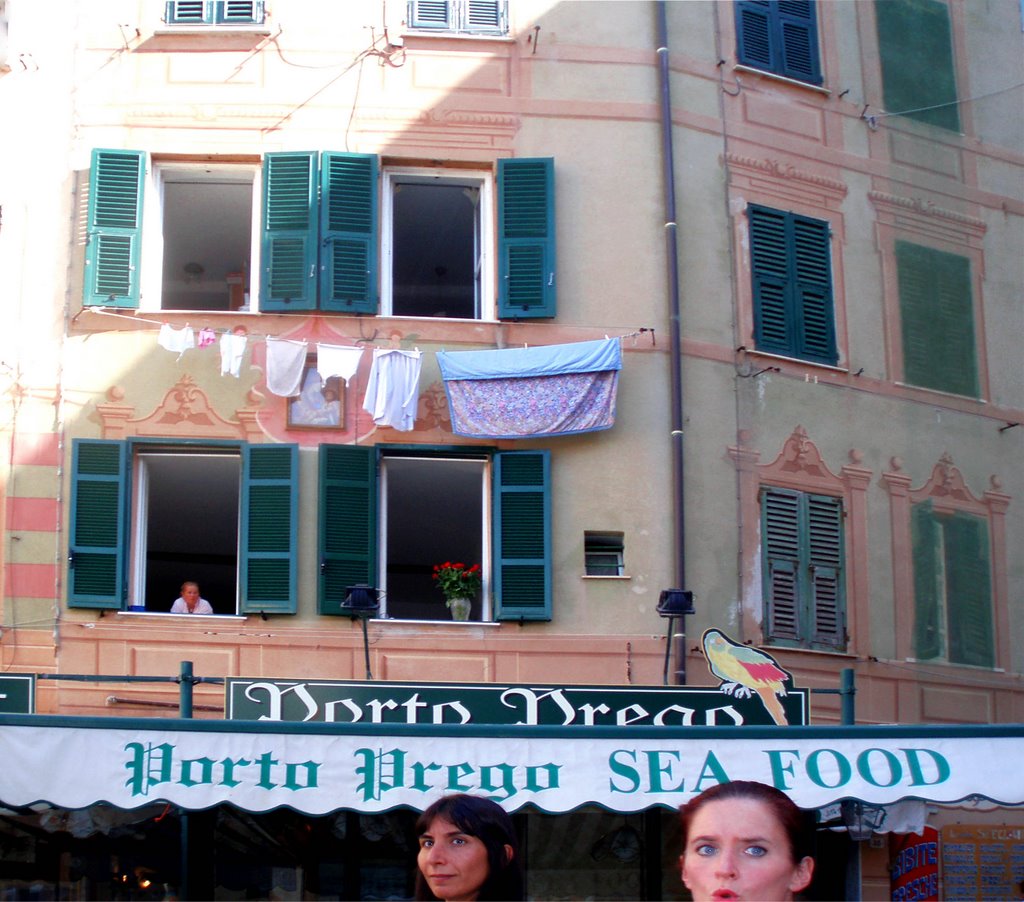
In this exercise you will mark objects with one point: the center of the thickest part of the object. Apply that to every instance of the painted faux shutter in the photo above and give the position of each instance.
(792, 285)
(347, 522)
(937, 319)
(526, 238)
(289, 243)
(97, 540)
(348, 232)
(522, 535)
(779, 37)
(915, 48)
(268, 529)
(825, 569)
(928, 639)
(780, 536)
(968, 590)
(114, 231)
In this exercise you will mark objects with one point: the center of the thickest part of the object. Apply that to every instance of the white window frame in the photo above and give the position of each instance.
(151, 297)
(486, 475)
(483, 181)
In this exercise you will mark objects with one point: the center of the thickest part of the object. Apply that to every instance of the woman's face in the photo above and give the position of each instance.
(191, 594)
(453, 863)
(736, 849)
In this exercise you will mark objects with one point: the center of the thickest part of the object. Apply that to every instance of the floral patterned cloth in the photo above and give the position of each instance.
(533, 406)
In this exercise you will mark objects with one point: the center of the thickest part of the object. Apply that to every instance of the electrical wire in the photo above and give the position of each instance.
(939, 106)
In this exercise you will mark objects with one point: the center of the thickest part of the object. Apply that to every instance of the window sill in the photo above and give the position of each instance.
(183, 38)
(597, 576)
(168, 614)
(798, 361)
(772, 76)
(936, 662)
(381, 621)
(415, 36)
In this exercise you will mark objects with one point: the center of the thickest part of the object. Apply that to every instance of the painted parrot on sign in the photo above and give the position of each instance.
(745, 671)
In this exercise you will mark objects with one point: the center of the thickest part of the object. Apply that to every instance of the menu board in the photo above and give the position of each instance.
(982, 862)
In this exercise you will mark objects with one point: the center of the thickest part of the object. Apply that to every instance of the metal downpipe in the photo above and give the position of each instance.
(675, 335)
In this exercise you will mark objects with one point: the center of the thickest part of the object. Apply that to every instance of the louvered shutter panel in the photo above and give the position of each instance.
(114, 233)
(813, 307)
(769, 259)
(289, 246)
(189, 12)
(347, 522)
(928, 639)
(781, 537)
(239, 12)
(485, 17)
(348, 232)
(753, 34)
(825, 561)
(968, 590)
(526, 238)
(798, 36)
(522, 535)
(431, 14)
(97, 540)
(268, 529)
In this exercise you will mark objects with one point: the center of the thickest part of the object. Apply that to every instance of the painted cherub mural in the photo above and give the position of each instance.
(745, 671)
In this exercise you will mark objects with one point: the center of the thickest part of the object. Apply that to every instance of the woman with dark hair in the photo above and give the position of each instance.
(745, 840)
(468, 850)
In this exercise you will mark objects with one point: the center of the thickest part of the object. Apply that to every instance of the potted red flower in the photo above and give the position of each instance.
(460, 585)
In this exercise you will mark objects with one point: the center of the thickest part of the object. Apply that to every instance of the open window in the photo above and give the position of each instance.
(389, 514)
(437, 244)
(148, 515)
(205, 252)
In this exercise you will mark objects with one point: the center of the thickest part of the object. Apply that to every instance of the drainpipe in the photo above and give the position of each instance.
(675, 336)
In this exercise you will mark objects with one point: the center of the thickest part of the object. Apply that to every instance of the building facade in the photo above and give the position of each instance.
(240, 241)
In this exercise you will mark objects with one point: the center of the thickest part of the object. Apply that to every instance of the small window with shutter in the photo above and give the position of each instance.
(476, 17)
(214, 12)
(779, 36)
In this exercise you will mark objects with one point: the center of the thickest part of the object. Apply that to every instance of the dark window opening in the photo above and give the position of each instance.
(434, 512)
(186, 527)
(436, 250)
(603, 553)
(207, 238)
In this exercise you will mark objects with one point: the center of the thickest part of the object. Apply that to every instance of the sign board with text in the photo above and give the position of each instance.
(17, 693)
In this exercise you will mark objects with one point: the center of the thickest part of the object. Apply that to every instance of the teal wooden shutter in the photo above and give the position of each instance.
(114, 230)
(522, 535)
(937, 320)
(289, 242)
(239, 12)
(915, 45)
(968, 590)
(526, 238)
(813, 304)
(485, 17)
(779, 37)
(97, 541)
(189, 12)
(268, 529)
(790, 258)
(826, 576)
(348, 232)
(924, 531)
(780, 537)
(769, 261)
(798, 39)
(347, 519)
(431, 14)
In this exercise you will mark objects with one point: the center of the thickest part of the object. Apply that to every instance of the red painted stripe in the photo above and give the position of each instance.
(41, 449)
(35, 514)
(31, 581)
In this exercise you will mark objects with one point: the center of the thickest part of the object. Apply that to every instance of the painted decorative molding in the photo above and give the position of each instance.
(927, 214)
(184, 412)
(948, 491)
(781, 170)
(800, 465)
